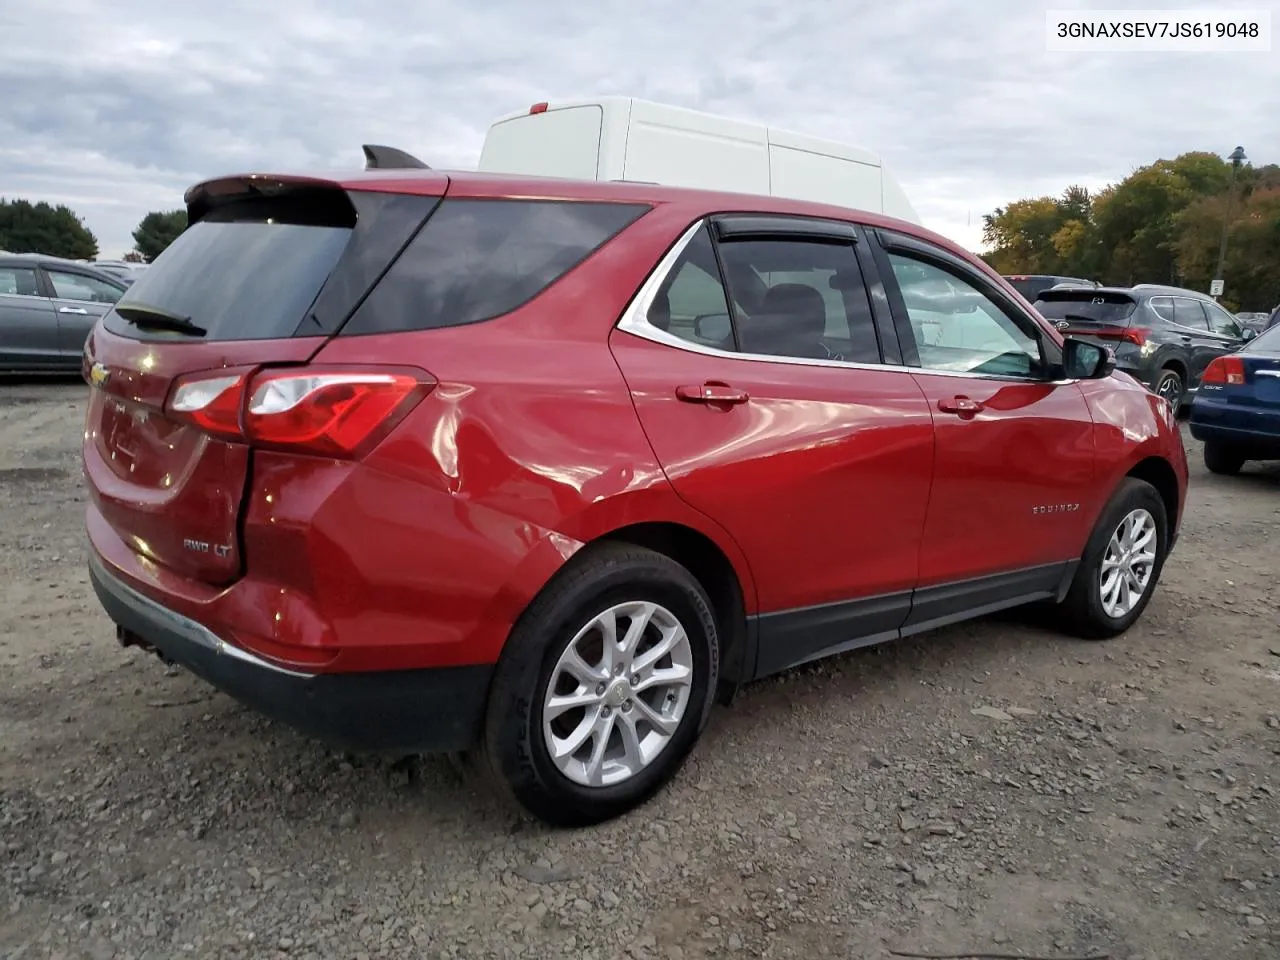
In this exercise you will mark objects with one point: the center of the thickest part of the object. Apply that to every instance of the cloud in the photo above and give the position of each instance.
(116, 108)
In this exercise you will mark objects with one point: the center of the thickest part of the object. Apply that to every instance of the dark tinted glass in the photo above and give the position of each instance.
(242, 280)
(692, 304)
(478, 259)
(1085, 306)
(1189, 313)
(800, 298)
(1030, 287)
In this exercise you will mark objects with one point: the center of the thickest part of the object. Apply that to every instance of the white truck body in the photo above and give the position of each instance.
(625, 138)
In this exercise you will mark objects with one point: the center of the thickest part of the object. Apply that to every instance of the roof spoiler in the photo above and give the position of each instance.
(378, 157)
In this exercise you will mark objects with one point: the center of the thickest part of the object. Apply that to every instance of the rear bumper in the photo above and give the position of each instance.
(1254, 431)
(410, 711)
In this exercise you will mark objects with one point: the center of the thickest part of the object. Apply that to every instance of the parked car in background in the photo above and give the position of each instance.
(124, 269)
(1237, 411)
(1164, 337)
(1253, 321)
(47, 308)
(536, 468)
(1031, 285)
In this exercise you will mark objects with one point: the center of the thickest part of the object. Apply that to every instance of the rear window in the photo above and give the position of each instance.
(478, 259)
(1086, 306)
(1030, 287)
(244, 272)
(1266, 342)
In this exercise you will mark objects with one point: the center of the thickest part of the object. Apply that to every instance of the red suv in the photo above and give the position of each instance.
(539, 470)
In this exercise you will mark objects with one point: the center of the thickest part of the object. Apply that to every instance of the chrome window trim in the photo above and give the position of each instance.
(635, 321)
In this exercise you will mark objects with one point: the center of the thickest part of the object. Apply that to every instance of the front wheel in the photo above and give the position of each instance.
(1221, 458)
(604, 686)
(1121, 563)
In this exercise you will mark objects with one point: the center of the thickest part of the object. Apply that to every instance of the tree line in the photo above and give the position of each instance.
(57, 231)
(1161, 224)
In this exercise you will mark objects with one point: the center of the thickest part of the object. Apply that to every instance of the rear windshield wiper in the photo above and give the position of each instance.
(149, 318)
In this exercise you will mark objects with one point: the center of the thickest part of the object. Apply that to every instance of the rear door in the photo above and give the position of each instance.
(771, 412)
(80, 301)
(264, 274)
(28, 324)
(1013, 486)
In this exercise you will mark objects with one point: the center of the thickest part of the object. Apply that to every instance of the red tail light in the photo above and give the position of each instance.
(1225, 370)
(1135, 335)
(327, 411)
(538, 108)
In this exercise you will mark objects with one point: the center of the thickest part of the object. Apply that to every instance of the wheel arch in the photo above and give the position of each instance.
(1158, 472)
(713, 568)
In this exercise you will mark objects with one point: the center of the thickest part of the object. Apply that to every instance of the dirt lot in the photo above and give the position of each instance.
(992, 788)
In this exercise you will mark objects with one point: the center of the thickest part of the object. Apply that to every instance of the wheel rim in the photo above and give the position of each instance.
(1128, 564)
(617, 694)
(1170, 387)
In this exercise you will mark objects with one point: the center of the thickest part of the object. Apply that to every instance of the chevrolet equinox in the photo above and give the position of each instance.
(536, 471)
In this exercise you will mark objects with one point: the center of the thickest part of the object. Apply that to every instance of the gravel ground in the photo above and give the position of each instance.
(991, 788)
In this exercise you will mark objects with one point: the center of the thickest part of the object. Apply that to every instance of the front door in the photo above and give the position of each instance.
(1013, 486)
(28, 324)
(80, 300)
(772, 414)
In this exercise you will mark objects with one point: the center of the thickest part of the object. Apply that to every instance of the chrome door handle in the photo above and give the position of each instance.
(81, 311)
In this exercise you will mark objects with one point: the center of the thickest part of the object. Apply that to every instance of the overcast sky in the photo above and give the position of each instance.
(114, 107)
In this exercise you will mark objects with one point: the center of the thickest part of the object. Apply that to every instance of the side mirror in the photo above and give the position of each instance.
(714, 327)
(1248, 333)
(1086, 361)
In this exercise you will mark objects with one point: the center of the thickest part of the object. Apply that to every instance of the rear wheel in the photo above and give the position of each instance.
(1222, 458)
(1121, 563)
(1170, 386)
(604, 686)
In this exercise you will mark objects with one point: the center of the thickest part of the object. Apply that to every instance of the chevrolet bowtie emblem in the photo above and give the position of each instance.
(98, 374)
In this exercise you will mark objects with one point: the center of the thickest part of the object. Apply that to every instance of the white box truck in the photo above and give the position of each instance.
(625, 138)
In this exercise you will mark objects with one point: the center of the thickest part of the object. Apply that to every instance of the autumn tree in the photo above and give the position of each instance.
(1042, 235)
(27, 227)
(1161, 224)
(157, 230)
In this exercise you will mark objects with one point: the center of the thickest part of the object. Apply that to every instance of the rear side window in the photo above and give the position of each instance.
(247, 272)
(478, 259)
(19, 281)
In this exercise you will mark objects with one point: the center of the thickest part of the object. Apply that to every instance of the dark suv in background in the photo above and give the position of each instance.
(1162, 336)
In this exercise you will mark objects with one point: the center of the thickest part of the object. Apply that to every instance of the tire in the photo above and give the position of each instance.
(1171, 386)
(516, 745)
(1221, 458)
(1085, 612)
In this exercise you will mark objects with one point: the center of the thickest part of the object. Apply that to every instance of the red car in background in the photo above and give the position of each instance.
(419, 461)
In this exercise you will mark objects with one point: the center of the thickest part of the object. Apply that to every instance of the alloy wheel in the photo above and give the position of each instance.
(617, 694)
(1128, 564)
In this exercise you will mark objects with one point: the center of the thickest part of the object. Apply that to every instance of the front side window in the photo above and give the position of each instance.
(19, 282)
(1222, 322)
(76, 286)
(959, 328)
(800, 298)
